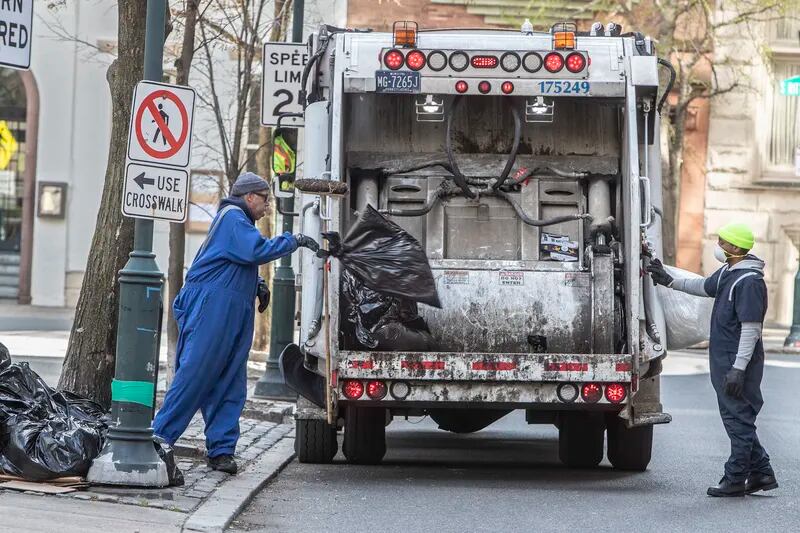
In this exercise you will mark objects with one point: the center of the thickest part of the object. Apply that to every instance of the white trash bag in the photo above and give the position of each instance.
(687, 317)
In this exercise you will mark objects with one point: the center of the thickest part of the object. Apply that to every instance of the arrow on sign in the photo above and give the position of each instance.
(141, 181)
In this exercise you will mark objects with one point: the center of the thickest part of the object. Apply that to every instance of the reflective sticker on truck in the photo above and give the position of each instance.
(512, 278)
(456, 277)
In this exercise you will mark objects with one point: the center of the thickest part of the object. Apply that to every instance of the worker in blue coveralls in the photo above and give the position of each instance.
(215, 315)
(736, 354)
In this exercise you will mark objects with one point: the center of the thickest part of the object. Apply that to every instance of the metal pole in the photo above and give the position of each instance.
(271, 384)
(793, 340)
(129, 457)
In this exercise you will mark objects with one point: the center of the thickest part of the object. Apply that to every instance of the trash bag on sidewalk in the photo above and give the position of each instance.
(45, 434)
(381, 321)
(5, 357)
(386, 258)
(167, 454)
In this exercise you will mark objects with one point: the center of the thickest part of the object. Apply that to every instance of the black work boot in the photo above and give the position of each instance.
(223, 463)
(757, 482)
(726, 489)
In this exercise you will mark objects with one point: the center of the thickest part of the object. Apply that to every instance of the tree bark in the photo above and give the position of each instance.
(89, 363)
(177, 232)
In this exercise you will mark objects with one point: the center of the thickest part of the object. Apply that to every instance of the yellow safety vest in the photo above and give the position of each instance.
(283, 157)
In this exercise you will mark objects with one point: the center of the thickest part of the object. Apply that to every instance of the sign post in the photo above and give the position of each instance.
(283, 71)
(16, 33)
(791, 87)
(160, 132)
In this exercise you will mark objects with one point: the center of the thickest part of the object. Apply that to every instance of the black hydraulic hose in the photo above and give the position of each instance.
(550, 170)
(512, 156)
(538, 223)
(307, 71)
(458, 177)
(671, 82)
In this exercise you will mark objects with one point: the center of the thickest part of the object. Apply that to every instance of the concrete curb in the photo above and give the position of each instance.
(219, 510)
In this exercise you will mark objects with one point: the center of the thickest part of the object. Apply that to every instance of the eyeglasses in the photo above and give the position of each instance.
(265, 197)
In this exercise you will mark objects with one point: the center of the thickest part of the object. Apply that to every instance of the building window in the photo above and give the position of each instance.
(784, 124)
(206, 192)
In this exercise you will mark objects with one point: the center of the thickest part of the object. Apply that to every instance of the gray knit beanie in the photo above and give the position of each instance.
(249, 182)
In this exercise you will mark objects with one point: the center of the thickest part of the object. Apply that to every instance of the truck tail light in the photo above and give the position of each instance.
(393, 59)
(532, 62)
(591, 392)
(415, 60)
(553, 62)
(575, 62)
(507, 87)
(484, 87)
(567, 392)
(510, 61)
(376, 389)
(437, 60)
(615, 392)
(462, 86)
(400, 390)
(459, 61)
(484, 61)
(352, 389)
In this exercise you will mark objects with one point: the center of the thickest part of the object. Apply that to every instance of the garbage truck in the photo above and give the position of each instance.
(526, 164)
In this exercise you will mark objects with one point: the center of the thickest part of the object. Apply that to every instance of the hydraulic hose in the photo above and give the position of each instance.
(671, 82)
(538, 223)
(458, 177)
(550, 170)
(512, 156)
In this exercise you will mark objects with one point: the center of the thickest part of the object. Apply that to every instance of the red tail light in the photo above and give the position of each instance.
(575, 62)
(553, 62)
(461, 86)
(415, 60)
(352, 389)
(507, 87)
(376, 389)
(591, 392)
(615, 392)
(393, 59)
(484, 87)
(484, 61)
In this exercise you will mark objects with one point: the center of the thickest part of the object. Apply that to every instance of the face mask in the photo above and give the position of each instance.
(719, 254)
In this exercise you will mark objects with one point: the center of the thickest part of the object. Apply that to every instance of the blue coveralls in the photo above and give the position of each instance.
(740, 295)
(215, 312)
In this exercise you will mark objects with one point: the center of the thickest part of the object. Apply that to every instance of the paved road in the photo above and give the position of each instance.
(508, 477)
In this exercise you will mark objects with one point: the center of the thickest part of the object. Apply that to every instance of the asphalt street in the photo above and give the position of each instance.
(508, 477)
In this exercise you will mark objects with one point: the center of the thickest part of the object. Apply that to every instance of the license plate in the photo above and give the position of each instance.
(389, 81)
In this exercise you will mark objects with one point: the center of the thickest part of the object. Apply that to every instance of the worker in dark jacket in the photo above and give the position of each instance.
(215, 314)
(736, 354)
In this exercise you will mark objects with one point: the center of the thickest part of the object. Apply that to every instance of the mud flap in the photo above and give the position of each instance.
(645, 407)
(301, 380)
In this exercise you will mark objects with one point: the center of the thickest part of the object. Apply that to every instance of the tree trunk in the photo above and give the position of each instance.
(89, 363)
(671, 180)
(177, 232)
(266, 227)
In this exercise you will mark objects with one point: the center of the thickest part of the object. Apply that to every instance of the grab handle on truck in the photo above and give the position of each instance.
(647, 215)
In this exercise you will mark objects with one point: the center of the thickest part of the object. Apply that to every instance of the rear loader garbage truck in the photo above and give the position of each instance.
(527, 167)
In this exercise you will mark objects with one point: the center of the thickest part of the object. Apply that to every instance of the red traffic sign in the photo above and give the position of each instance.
(161, 124)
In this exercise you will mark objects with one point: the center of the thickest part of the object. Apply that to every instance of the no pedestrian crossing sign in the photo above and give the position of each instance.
(16, 19)
(159, 150)
(280, 88)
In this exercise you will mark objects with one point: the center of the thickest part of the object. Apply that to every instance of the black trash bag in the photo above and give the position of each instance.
(383, 322)
(386, 258)
(167, 454)
(5, 357)
(46, 434)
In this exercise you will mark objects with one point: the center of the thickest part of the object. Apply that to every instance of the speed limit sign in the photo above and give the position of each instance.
(280, 87)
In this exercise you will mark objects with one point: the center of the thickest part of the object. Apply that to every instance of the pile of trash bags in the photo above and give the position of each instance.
(386, 272)
(45, 434)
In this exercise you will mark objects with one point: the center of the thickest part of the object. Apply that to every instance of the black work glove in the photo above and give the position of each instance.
(304, 241)
(659, 275)
(734, 382)
(334, 243)
(263, 295)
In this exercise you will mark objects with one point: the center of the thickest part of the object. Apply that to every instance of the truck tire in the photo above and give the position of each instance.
(364, 435)
(580, 439)
(315, 441)
(629, 448)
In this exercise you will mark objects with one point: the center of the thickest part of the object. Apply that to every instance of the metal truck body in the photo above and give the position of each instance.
(534, 191)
